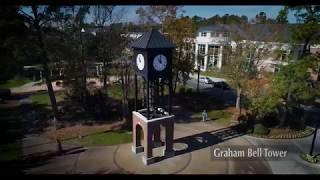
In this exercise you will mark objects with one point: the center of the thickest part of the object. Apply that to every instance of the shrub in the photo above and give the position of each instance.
(189, 91)
(271, 120)
(297, 120)
(310, 159)
(249, 131)
(263, 106)
(182, 90)
(260, 130)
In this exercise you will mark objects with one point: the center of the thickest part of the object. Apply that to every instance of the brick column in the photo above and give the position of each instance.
(157, 136)
(169, 152)
(148, 145)
(148, 141)
(136, 136)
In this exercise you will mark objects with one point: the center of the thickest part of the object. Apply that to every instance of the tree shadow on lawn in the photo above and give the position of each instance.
(26, 117)
(190, 104)
(37, 160)
(206, 139)
(11, 127)
(95, 112)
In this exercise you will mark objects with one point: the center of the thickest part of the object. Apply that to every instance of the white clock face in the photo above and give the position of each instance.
(160, 62)
(140, 61)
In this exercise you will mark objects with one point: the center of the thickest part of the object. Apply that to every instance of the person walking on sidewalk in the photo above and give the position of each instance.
(204, 116)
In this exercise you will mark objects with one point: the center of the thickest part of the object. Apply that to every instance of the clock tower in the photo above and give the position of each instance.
(152, 63)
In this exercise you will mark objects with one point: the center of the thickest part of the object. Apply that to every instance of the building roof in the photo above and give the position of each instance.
(216, 28)
(152, 39)
(255, 32)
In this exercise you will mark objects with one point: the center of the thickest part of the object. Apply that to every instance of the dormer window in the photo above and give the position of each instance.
(203, 34)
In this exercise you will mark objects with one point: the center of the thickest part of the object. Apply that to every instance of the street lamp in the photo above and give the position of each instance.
(314, 138)
(198, 78)
(314, 112)
(83, 68)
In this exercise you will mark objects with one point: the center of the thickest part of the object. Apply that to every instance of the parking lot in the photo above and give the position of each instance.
(228, 95)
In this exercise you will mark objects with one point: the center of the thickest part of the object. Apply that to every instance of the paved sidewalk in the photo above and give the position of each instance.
(292, 164)
(194, 159)
(34, 87)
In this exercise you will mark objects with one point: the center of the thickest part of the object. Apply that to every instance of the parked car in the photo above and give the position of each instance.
(222, 85)
(205, 80)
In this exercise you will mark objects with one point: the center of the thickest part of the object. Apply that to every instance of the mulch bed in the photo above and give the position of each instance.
(286, 134)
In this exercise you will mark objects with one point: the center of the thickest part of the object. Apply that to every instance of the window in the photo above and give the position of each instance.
(203, 34)
(216, 55)
(201, 61)
(284, 56)
(202, 48)
(213, 52)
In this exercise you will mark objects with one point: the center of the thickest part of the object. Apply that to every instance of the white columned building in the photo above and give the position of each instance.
(220, 57)
(209, 46)
(196, 57)
(205, 65)
(211, 41)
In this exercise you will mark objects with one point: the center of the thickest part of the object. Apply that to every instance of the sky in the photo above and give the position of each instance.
(209, 11)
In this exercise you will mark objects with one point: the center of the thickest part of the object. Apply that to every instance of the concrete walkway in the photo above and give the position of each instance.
(34, 87)
(39, 86)
(292, 164)
(193, 159)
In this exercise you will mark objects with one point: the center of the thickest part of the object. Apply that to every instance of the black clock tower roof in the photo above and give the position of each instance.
(152, 39)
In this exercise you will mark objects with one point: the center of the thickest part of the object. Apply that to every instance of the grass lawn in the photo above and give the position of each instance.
(107, 138)
(41, 99)
(10, 132)
(44, 99)
(10, 152)
(10, 125)
(213, 73)
(219, 116)
(15, 82)
(115, 91)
